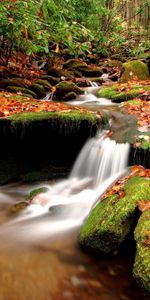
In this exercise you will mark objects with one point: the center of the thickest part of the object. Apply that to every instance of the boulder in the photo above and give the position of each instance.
(141, 269)
(13, 82)
(17, 89)
(51, 79)
(39, 89)
(135, 69)
(74, 64)
(91, 71)
(112, 219)
(65, 87)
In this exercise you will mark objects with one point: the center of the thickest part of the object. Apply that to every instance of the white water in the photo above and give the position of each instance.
(68, 202)
(49, 96)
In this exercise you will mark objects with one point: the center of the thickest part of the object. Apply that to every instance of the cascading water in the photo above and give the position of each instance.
(67, 203)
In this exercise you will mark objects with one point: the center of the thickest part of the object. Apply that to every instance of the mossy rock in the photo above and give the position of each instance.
(132, 69)
(117, 96)
(16, 89)
(141, 269)
(39, 89)
(19, 82)
(91, 71)
(70, 96)
(43, 82)
(65, 87)
(111, 220)
(74, 64)
(51, 79)
(36, 192)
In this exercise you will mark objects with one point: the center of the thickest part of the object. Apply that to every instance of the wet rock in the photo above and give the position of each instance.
(141, 270)
(36, 192)
(111, 220)
(134, 69)
(17, 208)
(64, 87)
(70, 96)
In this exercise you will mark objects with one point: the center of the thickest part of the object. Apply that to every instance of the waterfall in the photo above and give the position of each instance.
(68, 202)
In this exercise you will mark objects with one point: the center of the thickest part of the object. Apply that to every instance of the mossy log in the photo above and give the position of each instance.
(141, 268)
(111, 220)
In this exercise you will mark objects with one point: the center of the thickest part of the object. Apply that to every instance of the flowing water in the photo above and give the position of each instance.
(39, 257)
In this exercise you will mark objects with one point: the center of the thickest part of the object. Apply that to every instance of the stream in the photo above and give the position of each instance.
(39, 255)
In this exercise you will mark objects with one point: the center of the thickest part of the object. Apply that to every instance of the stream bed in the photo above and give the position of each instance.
(56, 268)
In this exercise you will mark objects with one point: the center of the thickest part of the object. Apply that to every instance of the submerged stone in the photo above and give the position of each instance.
(111, 220)
(17, 207)
(134, 69)
(141, 269)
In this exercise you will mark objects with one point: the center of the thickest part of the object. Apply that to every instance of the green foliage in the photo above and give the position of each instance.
(48, 25)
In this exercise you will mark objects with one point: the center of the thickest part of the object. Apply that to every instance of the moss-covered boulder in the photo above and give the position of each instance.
(51, 79)
(74, 63)
(141, 268)
(119, 95)
(39, 89)
(17, 89)
(19, 82)
(91, 71)
(134, 69)
(65, 87)
(111, 220)
(45, 83)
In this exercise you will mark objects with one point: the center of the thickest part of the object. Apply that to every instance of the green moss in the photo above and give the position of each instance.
(16, 89)
(74, 63)
(141, 268)
(9, 170)
(74, 116)
(19, 82)
(110, 221)
(66, 87)
(145, 145)
(117, 96)
(36, 192)
(133, 69)
(38, 89)
(43, 82)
